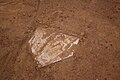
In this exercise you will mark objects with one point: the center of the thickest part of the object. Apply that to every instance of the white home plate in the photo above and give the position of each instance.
(49, 46)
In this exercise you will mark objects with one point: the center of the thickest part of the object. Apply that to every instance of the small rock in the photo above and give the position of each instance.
(82, 33)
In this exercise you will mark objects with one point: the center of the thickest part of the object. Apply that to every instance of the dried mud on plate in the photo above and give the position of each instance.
(50, 46)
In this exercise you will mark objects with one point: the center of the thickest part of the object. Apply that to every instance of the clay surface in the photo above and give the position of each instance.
(95, 22)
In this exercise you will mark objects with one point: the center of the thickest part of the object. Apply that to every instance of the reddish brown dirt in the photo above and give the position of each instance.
(95, 22)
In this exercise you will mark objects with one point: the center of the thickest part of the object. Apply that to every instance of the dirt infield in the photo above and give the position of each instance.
(95, 22)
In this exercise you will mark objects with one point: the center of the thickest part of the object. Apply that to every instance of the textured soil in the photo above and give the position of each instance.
(95, 22)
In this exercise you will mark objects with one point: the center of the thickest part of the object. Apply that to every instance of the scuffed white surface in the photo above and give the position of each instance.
(52, 47)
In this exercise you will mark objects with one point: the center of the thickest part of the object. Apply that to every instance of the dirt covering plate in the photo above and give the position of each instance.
(51, 46)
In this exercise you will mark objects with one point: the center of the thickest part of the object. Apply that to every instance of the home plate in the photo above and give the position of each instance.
(49, 46)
